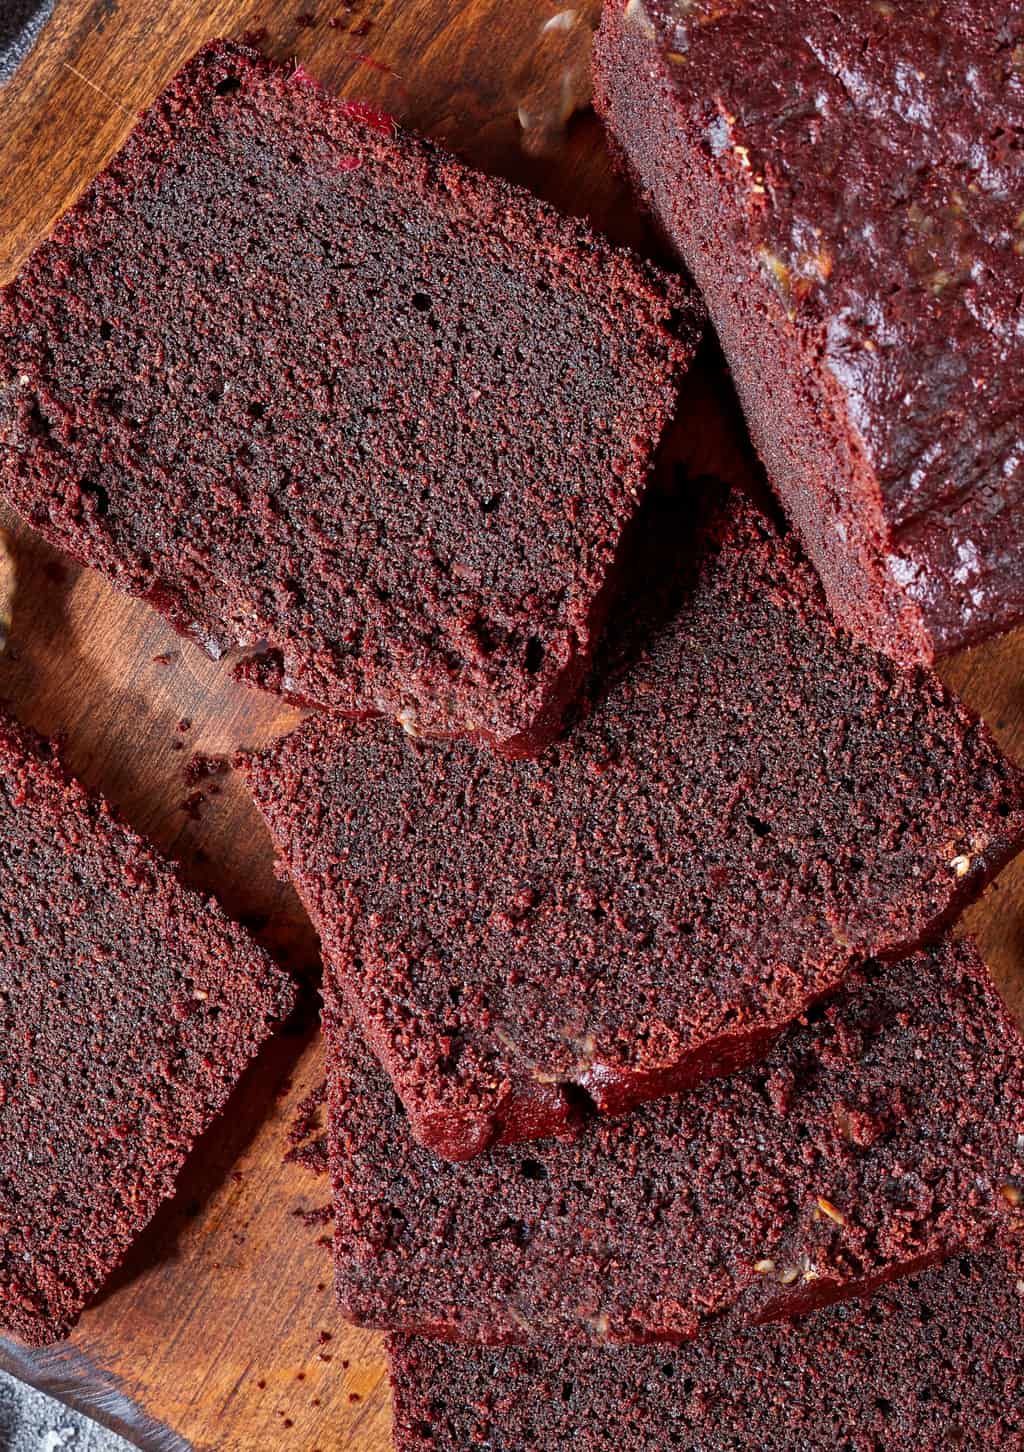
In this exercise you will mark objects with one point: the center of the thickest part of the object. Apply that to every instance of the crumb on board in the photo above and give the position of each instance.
(201, 767)
(321, 1215)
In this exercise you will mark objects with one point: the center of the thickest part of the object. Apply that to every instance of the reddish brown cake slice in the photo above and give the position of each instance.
(843, 183)
(751, 804)
(130, 1005)
(299, 378)
(931, 1365)
(884, 1133)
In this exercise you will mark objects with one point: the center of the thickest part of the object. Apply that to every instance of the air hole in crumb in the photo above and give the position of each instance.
(97, 493)
(534, 654)
(488, 506)
(760, 829)
(567, 1390)
(256, 410)
(533, 1170)
(228, 86)
(294, 158)
(106, 330)
(422, 302)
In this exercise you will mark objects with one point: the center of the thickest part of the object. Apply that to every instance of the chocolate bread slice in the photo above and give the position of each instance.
(751, 805)
(883, 1134)
(934, 1365)
(301, 379)
(130, 1006)
(843, 183)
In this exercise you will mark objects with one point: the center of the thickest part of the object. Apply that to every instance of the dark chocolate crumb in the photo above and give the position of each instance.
(306, 1122)
(926, 1365)
(201, 767)
(192, 805)
(322, 1215)
(116, 1052)
(782, 855)
(494, 259)
(311, 1156)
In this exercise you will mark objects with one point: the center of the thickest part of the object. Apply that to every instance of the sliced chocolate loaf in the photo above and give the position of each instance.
(129, 1006)
(750, 804)
(883, 1134)
(932, 1364)
(300, 379)
(844, 185)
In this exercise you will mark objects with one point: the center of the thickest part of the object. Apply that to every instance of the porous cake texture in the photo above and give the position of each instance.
(843, 183)
(932, 1364)
(750, 804)
(130, 1006)
(883, 1134)
(306, 382)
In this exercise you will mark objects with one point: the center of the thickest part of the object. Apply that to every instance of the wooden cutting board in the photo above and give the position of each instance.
(220, 1332)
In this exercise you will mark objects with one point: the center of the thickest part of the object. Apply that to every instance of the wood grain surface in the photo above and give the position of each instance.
(220, 1331)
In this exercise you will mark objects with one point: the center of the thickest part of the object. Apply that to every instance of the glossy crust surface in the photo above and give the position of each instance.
(302, 380)
(882, 1135)
(932, 1364)
(844, 184)
(129, 1006)
(749, 805)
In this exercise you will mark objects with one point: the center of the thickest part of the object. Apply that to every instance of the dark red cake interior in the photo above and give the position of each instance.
(749, 804)
(129, 1006)
(931, 1365)
(303, 381)
(882, 1134)
(840, 181)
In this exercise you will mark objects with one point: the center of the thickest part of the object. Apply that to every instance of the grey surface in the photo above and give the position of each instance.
(21, 22)
(32, 1422)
